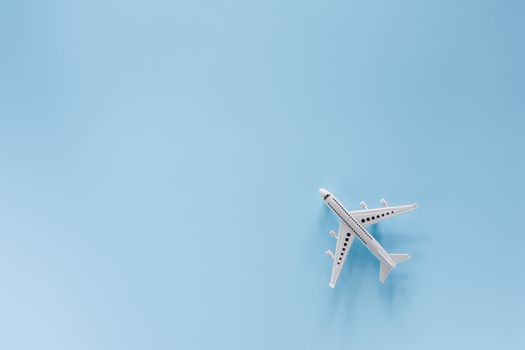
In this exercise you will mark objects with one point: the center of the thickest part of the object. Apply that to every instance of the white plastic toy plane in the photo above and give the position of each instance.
(352, 225)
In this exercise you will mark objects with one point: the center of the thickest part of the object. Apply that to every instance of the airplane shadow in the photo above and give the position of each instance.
(397, 288)
(361, 265)
(339, 298)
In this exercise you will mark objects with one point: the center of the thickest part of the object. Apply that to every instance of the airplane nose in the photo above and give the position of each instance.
(323, 193)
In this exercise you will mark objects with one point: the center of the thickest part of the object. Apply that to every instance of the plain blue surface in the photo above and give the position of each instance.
(160, 163)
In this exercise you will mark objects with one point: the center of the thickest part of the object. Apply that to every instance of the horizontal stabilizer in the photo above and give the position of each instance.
(384, 270)
(399, 257)
(385, 267)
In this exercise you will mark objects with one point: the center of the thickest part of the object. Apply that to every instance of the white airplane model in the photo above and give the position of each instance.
(352, 225)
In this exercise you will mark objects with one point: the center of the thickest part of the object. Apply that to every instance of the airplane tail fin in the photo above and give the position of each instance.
(385, 268)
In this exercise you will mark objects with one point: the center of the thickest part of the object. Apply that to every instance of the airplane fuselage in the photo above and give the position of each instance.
(357, 230)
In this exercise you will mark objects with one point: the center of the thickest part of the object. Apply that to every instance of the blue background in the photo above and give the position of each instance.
(160, 163)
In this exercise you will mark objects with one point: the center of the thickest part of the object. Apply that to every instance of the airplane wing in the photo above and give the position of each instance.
(344, 243)
(370, 216)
